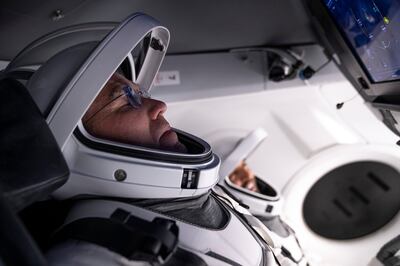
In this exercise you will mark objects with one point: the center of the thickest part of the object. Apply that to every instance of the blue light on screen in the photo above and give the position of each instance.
(372, 28)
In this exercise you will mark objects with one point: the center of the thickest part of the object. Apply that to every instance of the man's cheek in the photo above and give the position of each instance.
(138, 134)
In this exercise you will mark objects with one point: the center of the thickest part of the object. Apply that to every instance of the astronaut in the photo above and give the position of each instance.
(122, 113)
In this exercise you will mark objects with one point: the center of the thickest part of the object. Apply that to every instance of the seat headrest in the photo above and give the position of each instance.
(31, 163)
(48, 82)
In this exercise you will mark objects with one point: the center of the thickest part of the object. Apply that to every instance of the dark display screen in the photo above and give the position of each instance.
(372, 28)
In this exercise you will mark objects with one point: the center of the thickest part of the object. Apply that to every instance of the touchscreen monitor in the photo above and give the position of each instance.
(372, 30)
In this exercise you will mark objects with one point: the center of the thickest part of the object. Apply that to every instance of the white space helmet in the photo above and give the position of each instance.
(73, 70)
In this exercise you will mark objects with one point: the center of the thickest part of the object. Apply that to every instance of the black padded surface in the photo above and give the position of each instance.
(16, 245)
(353, 200)
(31, 163)
(59, 70)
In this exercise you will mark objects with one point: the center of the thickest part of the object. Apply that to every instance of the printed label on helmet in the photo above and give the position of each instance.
(167, 78)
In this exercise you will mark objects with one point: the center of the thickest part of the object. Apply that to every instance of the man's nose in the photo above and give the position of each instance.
(156, 108)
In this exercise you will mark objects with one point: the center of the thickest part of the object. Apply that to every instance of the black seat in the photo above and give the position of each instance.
(31, 167)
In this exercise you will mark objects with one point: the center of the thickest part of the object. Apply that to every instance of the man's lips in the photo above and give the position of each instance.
(163, 135)
(168, 138)
(165, 128)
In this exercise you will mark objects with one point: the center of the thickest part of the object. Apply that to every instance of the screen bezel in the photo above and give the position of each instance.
(382, 93)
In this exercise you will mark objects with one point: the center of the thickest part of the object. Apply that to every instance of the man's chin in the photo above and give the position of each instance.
(169, 141)
(179, 147)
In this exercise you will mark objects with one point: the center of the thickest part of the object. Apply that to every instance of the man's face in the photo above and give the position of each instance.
(244, 177)
(112, 117)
